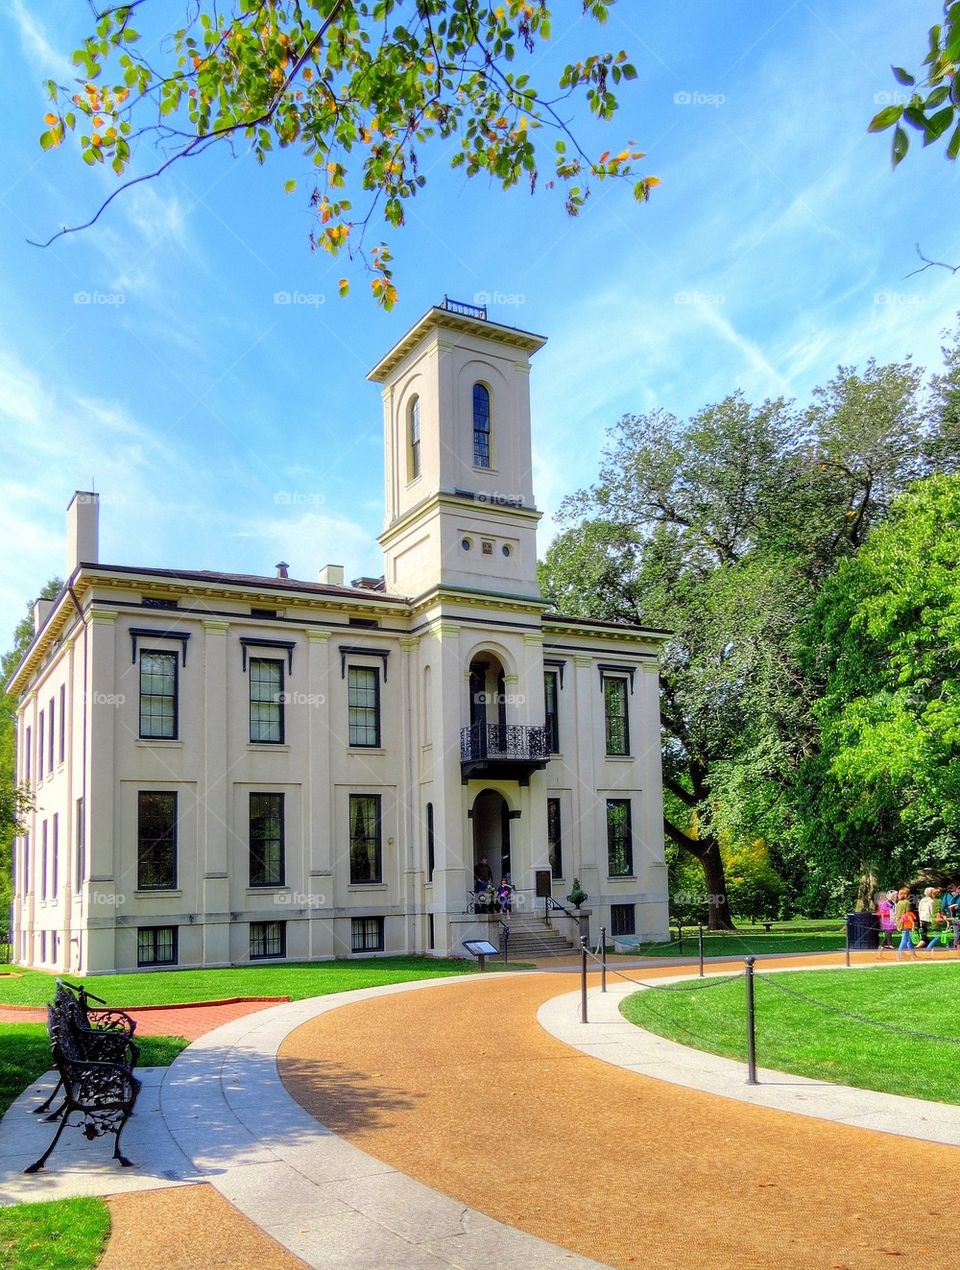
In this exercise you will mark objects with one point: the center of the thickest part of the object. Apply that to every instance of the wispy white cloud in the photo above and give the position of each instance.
(41, 54)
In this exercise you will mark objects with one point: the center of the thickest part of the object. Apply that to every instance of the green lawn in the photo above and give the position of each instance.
(794, 1036)
(293, 980)
(67, 1234)
(807, 937)
(25, 1055)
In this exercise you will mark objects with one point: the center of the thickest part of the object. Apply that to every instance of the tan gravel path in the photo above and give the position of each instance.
(459, 1087)
(184, 1228)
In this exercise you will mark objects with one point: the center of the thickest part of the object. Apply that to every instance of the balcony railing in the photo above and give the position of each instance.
(510, 751)
(465, 310)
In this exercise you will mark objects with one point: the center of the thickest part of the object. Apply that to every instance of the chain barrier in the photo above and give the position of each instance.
(687, 984)
(770, 981)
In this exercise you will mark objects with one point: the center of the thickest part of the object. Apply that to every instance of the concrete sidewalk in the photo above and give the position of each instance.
(609, 1037)
(220, 1114)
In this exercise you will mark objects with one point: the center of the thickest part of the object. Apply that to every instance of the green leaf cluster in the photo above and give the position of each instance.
(933, 108)
(361, 87)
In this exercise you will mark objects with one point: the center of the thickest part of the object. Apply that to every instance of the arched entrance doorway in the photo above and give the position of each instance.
(491, 833)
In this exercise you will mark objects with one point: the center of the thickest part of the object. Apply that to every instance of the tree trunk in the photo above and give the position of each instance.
(707, 851)
(716, 883)
(866, 890)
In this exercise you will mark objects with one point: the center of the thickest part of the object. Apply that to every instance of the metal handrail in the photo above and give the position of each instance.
(555, 906)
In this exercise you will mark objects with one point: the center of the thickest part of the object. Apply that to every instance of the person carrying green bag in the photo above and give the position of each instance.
(906, 924)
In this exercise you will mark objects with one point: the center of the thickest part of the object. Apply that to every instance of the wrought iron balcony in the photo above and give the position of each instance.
(510, 751)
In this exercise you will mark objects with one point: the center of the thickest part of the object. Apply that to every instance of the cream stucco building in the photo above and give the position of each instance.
(227, 768)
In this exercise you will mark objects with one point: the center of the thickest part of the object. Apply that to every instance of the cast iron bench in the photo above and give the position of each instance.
(95, 1066)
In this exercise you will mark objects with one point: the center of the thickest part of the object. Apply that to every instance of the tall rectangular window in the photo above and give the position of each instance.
(55, 857)
(481, 426)
(431, 846)
(363, 704)
(266, 701)
(157, 946)
(156, 841)
(51, 738)
(266, 839)
(615, 715)
(158, 696)
(366, 934)
(554, 845)
(28, 755)
(40, 746)
(81, 847)
(267, 939)
(43, 861)
(26, 864)
(366, 862)
(414, 461)
(551, 689)
(619, 838)
(63, 722)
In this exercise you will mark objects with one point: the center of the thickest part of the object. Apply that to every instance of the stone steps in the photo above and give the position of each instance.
(529, 937)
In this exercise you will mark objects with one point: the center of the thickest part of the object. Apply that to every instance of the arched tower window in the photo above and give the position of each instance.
(481, 426)
(413, 435)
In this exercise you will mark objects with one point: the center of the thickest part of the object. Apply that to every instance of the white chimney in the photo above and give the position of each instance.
(41, 611)
(83, 531)
(332, 575)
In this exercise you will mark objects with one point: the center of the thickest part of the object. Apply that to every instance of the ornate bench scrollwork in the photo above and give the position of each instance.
(94, 1054)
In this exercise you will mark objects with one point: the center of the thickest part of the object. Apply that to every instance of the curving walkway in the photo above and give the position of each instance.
(442, 1126)
(605, 1162)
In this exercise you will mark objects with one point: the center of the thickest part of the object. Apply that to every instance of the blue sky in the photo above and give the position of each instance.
(227, 431)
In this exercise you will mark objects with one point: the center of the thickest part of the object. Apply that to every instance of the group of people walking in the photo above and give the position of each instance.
(924, 923)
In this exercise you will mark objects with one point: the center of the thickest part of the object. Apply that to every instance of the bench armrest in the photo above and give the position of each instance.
(111, 1021)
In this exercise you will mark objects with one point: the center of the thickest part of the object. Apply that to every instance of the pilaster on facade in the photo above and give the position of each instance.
(374, 792)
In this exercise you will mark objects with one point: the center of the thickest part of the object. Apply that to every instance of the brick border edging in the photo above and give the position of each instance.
(182, 1005)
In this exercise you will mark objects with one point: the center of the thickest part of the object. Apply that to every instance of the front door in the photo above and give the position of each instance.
(491, 833)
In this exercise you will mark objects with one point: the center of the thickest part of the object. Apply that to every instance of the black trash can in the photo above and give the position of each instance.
(863, 931)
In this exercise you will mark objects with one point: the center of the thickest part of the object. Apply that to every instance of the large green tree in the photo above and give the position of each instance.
(884, 637)
(722, 529)
(363, 88)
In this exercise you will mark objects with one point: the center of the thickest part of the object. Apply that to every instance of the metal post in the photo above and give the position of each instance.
(583, 979)
(679, 938)
(506, 942)
(846, 939)
(603, 958)
(482, 960)
(700, 942)
(751, 1026)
